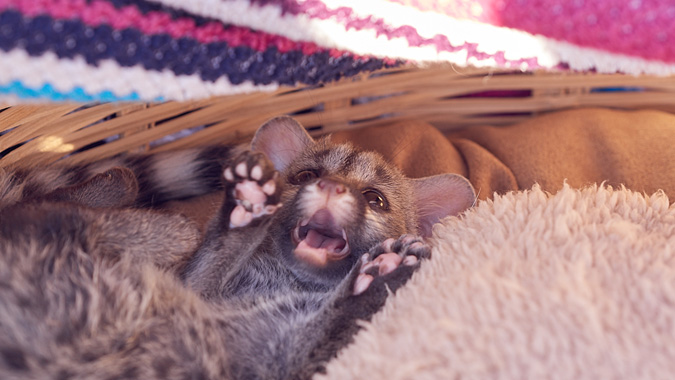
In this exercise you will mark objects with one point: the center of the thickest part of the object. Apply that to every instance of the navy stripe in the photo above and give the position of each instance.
(184, 56)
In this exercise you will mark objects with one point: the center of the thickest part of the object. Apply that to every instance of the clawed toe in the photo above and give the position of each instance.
(382, 264)
(240, 217)
(362, 283)
(410, 260)
(387, 257)
(270, 187)
(256, 173)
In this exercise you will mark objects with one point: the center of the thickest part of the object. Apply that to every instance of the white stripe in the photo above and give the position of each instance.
(431, 24)
(491, 39)
(66, 74)
(11, 99)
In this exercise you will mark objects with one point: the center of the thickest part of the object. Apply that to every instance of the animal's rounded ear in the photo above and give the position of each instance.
(282, 139)
(439, 196)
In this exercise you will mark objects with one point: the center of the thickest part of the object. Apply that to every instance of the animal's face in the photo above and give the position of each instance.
(338, 203)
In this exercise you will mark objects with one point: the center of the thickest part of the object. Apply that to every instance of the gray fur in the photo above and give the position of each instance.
(93, 291)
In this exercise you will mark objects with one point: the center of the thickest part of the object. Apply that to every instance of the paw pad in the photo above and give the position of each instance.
(388, 256)
(252, 182)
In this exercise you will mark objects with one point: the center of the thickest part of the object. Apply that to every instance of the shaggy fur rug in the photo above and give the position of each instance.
(576, 285)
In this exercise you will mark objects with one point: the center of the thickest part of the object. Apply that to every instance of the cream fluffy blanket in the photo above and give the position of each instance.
(576, 285)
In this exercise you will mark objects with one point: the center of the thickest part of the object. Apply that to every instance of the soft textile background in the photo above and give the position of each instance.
(112, 50)
(582, 146)
(576, 285)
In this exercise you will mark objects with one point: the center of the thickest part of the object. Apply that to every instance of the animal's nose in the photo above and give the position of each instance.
(331, 187)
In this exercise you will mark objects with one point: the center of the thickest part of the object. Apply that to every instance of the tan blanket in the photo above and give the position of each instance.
(582, 146)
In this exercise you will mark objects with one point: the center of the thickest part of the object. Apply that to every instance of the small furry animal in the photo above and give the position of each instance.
(311, 237)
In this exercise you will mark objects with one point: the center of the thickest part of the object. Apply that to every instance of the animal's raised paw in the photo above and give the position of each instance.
(388, 256)
(253, 183)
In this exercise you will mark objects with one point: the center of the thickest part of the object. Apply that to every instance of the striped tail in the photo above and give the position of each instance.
(159, 177)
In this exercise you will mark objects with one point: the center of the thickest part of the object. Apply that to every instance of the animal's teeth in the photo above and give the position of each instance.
(345, 249)
(304, 222)
(296, 234)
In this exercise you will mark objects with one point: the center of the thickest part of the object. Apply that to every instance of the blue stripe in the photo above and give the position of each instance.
(77, 94)
(183, 56)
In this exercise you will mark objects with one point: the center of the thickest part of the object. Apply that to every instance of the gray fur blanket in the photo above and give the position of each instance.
(576, 285)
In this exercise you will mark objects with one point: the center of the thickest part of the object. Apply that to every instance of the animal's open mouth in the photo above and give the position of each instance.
(319, 239)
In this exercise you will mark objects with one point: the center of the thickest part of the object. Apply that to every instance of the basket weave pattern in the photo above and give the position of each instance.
(444, 96)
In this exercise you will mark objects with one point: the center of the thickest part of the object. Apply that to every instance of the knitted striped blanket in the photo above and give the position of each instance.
(112, 50)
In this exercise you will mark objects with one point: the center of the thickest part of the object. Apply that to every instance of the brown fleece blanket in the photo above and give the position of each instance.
(584, 146)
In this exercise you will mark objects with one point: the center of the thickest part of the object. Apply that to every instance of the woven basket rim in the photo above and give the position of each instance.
(443, 95)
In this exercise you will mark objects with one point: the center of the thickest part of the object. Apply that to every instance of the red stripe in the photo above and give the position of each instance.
(101, 12)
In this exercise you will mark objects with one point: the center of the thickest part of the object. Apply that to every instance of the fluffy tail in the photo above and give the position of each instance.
(159, 177)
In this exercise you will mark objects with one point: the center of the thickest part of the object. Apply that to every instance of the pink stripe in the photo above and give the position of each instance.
(99, 12)
(642, 28)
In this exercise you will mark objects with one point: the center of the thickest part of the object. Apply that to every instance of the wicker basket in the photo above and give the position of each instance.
(445, 96)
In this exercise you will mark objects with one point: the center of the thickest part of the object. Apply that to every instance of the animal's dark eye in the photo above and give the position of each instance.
(375, 200)
(303, 176)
